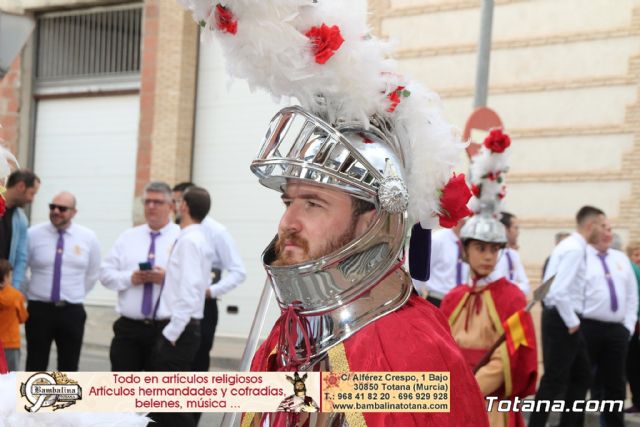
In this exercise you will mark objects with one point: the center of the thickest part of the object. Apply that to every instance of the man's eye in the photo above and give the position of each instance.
(312, 204)
(287, 203)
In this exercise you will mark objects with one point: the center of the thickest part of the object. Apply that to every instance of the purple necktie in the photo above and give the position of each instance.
(607, 275)
(510, 262)
(148, 287)
(459, 264)
(57, 268)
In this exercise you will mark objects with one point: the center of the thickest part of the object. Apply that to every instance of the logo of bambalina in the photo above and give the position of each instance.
(53, 390)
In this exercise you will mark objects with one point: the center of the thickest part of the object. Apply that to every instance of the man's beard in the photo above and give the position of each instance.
(283, 258)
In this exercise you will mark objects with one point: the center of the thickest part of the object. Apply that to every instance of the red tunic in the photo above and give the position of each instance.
(520, 371)
(415, 338)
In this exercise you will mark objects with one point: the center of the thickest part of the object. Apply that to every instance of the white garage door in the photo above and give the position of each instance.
(88, 146)
(230, 124)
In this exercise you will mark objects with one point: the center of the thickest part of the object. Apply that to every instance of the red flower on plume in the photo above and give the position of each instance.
(326, 41)
(493, 176)
(475, 190)
(394, 98)
(453, 201)
(225, 21)
(497, 141)
(3, 205)
(503, 192)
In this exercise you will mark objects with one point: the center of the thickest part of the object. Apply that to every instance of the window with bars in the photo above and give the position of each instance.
(91, 44)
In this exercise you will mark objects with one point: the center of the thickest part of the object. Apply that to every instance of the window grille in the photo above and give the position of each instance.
(92, 43)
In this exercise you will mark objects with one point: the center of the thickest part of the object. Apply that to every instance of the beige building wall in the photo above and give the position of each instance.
(565, 79)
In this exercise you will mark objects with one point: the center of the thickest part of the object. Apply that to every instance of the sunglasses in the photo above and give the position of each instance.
(62, 209)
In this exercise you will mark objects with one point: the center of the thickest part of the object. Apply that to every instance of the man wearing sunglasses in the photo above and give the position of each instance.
(64, 262)
(135, 268)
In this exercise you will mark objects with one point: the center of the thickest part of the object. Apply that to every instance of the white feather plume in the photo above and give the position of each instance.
(487, 174)
(7, 163)
(271, 51)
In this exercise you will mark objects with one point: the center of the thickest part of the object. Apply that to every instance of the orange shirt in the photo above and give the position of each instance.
(12, 313)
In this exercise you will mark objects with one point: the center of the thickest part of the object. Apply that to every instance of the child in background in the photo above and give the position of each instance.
(12, 313)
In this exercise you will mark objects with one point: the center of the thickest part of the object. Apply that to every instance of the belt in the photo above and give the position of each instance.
(164, 322)
(142, 321)
(55, 304)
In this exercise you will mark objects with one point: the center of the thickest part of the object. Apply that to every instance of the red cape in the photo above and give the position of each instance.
(415, 338)
(523, 364)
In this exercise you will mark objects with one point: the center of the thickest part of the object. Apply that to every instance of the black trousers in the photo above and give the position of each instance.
(607, 346)
(63, 324)
(132, 344)
(202, 360)
(208, 325)
(633, 368)
(567, 370)
(178, 358)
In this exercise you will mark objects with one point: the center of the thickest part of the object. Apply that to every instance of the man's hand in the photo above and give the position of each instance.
(207, 294)
(574, 330)
(137, 278)
(153, 276)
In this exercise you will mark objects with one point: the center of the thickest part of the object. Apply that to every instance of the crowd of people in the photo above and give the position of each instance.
(364, 158)
(589, 324)
(168, 273)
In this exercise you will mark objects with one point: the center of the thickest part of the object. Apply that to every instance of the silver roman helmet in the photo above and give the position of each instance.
(484, 227)
(360, 162)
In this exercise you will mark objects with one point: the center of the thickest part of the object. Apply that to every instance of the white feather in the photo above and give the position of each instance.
(271, 51)
(7, 163)
(482, 164)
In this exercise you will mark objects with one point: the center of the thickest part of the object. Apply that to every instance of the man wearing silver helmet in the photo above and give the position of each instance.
(336, 269)
(365, 156)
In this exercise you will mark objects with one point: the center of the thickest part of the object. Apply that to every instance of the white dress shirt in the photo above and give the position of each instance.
(186, 281)
(225, 257)
(515, 272)
(444, 257)
(80, 262)
(132, 248)
(568, 263)
(597, 295)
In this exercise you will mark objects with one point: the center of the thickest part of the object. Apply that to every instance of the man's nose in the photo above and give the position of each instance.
(290, 221)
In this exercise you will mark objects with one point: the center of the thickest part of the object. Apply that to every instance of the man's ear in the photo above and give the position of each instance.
(364, 222)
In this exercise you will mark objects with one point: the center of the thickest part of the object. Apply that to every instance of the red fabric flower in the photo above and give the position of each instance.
(453, 201)
(3, 205)
(394, 98)
(225, 21)
(326, 41)
(497, 141)
(475, 190)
